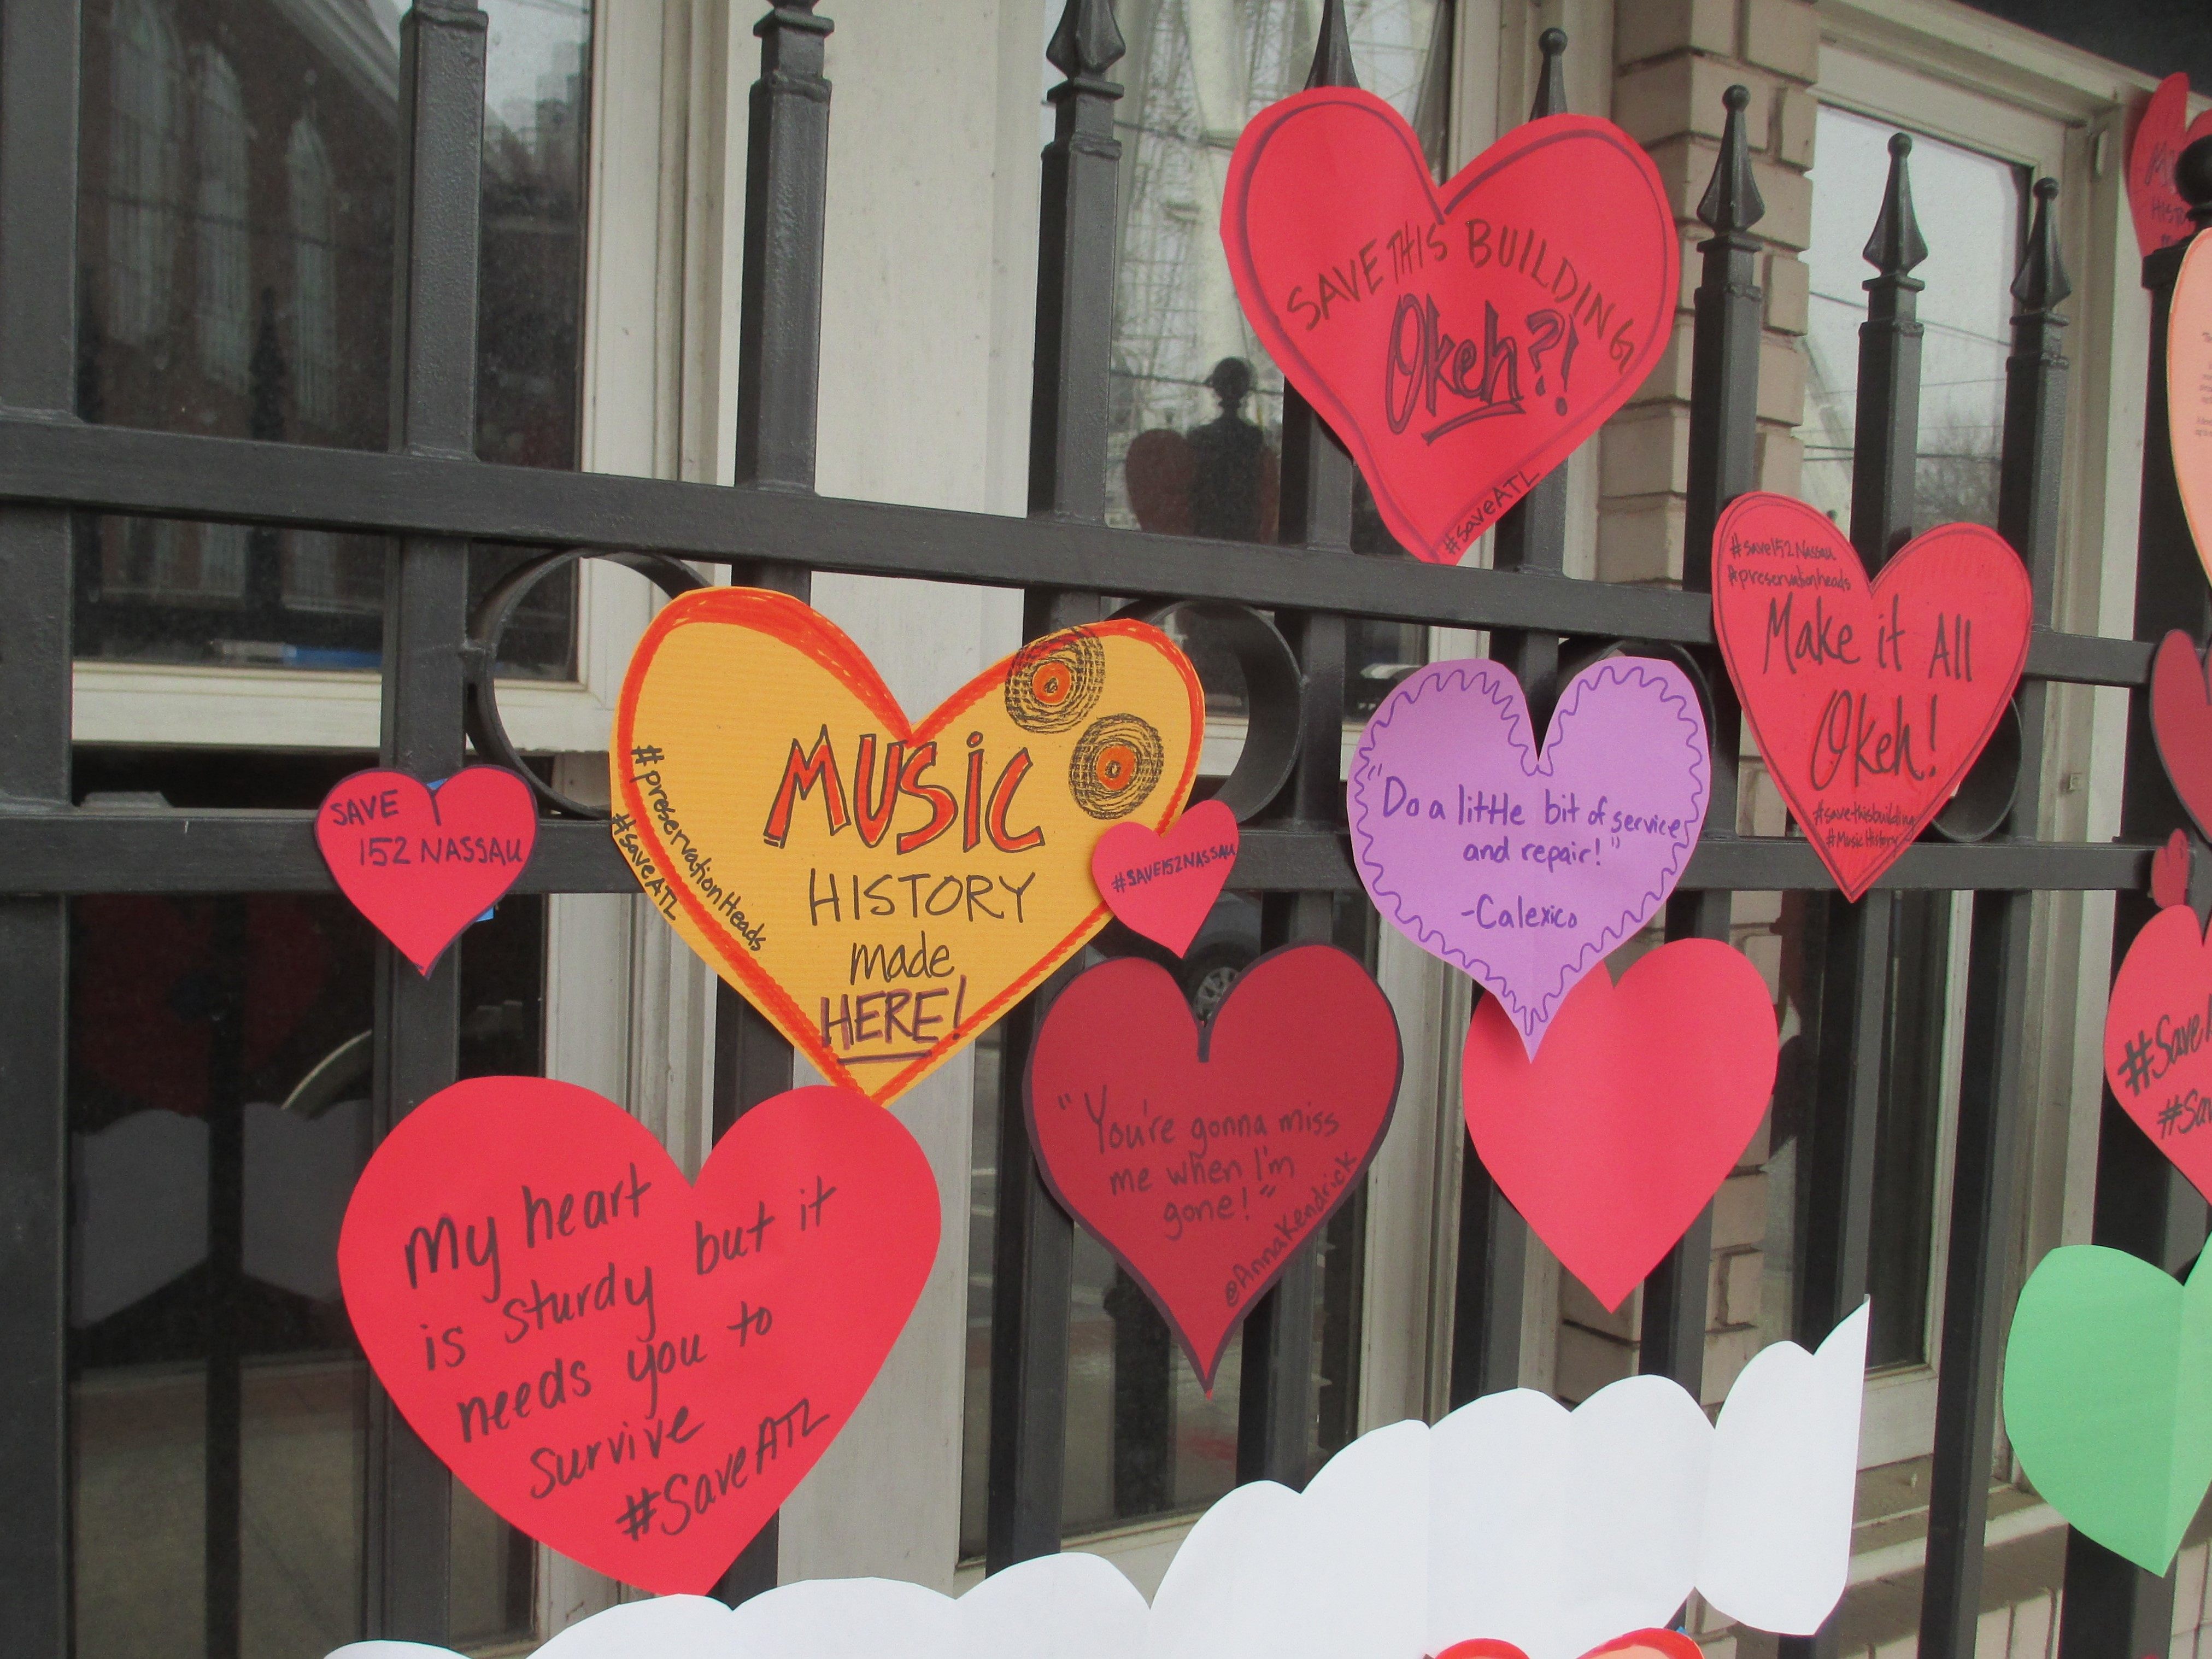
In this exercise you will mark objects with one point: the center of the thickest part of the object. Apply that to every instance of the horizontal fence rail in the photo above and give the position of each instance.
(118, 470)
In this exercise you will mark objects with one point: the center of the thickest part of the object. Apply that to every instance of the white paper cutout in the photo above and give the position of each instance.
(1778, 1526)
(1512, 1519)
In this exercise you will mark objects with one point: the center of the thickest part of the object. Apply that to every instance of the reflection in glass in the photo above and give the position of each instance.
(1195, 444)
(236, 178)
(218, 1100)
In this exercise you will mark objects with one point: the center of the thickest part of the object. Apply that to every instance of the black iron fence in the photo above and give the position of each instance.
(431, 499)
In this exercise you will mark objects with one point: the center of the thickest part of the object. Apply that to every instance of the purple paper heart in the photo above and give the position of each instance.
(1525, 870)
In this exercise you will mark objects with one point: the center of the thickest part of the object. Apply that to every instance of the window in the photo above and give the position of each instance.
(1194, 450)
(225, 313)
(219, 1064)
(246, 154)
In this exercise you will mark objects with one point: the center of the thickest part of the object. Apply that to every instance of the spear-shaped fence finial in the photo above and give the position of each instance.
(1896, 245)
(1332, 58)
(1551, 80)
(2041, 281)
(1088, 41)
(1731, 202)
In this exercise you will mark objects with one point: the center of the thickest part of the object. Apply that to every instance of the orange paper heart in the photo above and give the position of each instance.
(883, 890)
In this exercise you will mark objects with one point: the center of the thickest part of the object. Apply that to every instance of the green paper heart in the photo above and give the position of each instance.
(2108, 1397)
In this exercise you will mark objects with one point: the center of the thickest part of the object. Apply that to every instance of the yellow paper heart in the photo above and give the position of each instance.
(883, 891)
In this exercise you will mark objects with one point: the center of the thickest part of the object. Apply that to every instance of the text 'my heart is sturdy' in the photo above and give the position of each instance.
(1521, 869)
(632, 1368)
(1460, 340)
(882, 889)
(1203, 1158)
(1871, 701)
(422, 861)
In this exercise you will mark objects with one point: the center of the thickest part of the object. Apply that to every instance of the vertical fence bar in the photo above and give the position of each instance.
(1033, 1254)
(1991, 1089)
(1992, 1095)
(1278, 1400)
(2144, 1205)
(1729, 310)
(1490, 1262)
(1993, 1102)
(779, 382)
(407, 1551)
(38, 71)
(223, 1481)
(1851, 941)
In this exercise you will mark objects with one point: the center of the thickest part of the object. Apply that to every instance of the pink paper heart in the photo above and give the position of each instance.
(1163, 886)
(1524, 870)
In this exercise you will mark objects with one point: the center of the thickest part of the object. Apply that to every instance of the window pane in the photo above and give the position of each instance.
(235, 245)
(218, 1114)
(1970, 207)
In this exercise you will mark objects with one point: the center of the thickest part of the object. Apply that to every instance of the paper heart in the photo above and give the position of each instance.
(1204, 1158)
(1461, 342)
(1870, 703)
(2162, 132)
(2169, 871)
(2158, 1040)
(2108, 1397)
(1163, 886)
(1613, 1137)
(1524, 870)
(631, 1368)
(2181, 723)
(422, 862)
(880, 902)
(1637, 1644)
(2189, 392)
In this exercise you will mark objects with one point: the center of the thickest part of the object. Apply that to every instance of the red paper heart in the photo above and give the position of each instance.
(1871, 704)
(2162, 132)
(2169, 871)
(660, 1363)
(1163, 886)
(1633, 1112)
(1462, 341)
(1204, 1159)
(421, 863)
(2158, 1040)
(2181, 722)
(1637, 1644)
